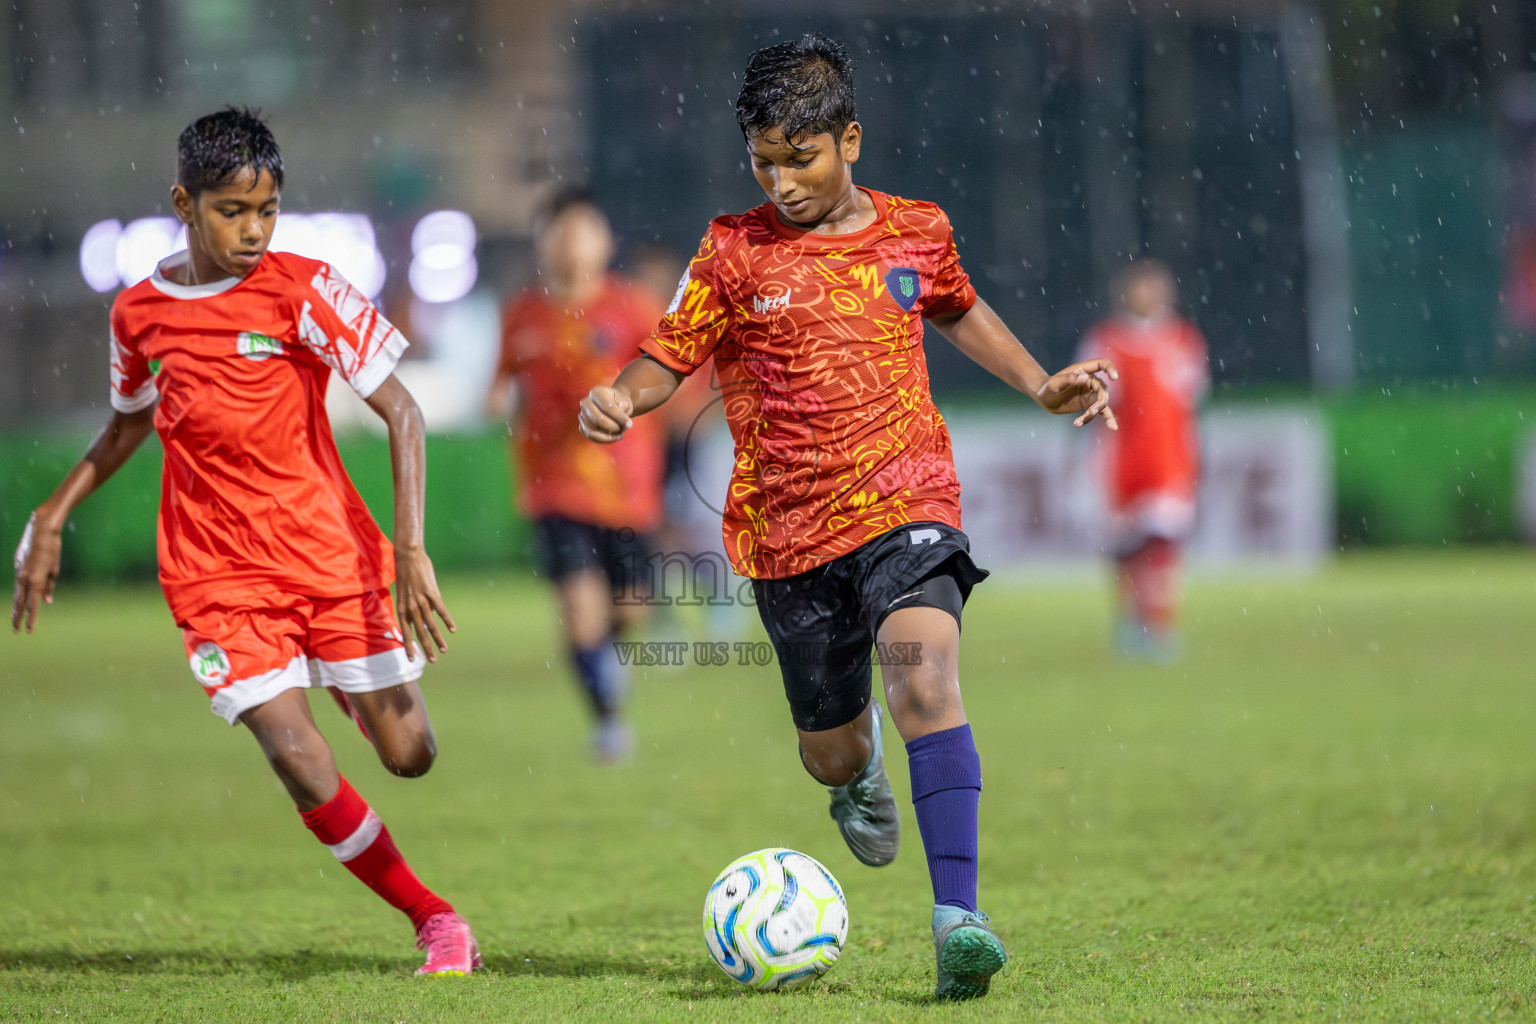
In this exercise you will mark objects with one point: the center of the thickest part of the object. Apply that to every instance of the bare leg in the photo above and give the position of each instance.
(294, 748)
(835, 756)
(340, 818)
(586, 608)
(847, 760)
(397, 725)
(627, 616)
(923, 697)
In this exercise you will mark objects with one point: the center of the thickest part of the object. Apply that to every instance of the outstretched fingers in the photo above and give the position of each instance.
(419, 614)
(19, 604)
(1094, 385)
(29, 595)
(1098, 366)
(37, 570)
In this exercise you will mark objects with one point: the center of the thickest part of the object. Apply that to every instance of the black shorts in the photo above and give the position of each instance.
(823, 622)
(565, 546)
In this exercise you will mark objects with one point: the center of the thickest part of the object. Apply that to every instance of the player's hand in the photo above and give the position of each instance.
(37, 569)
(418, 605)
(1081, 388)
(605, 414)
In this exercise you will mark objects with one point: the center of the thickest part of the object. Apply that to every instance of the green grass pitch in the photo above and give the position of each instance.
(1328, 811)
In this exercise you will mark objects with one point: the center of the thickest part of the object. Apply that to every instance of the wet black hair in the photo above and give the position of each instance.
(214, 148)
(1140, 267)
(572, 195)
(804, 86)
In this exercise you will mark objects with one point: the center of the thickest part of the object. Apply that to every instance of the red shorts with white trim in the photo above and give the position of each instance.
(243, 657)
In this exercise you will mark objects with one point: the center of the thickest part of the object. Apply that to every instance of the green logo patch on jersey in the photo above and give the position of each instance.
(257, 346)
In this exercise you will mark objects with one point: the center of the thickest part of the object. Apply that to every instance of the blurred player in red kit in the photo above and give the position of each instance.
(269, 560)
(1153, 464)
(592, 508)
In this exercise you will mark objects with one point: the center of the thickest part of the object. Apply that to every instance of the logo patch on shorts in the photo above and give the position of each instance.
(257, 346)
(210, 665)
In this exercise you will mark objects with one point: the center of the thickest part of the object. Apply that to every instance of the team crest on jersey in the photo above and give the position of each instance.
(257, 346)
(210, 664)
(905, 285)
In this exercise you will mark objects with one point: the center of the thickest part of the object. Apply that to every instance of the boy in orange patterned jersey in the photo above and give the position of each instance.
(269, 560)
(844, 507)
(1153, 460)
(592, 508)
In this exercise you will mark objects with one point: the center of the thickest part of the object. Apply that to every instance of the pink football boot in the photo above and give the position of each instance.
(450, 946)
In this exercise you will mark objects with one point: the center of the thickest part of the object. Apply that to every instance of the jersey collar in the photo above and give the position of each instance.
(882, 211)
(190, 291)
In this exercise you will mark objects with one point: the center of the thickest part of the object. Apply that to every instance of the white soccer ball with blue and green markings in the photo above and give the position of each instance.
(775, 919)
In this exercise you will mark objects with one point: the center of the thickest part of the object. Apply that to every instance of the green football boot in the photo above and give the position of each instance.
(865, 809)
(967, 951)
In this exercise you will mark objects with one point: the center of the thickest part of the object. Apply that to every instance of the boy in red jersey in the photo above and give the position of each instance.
(1153, 461)
(591, 507)
(843, 504)
(269, 560)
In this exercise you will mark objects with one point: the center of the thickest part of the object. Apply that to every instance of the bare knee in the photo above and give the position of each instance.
(408, 756)
(396, 722)
(832, 770)
(923, 698)
(835, 756)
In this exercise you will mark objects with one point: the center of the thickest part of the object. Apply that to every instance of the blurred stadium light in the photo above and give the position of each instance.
(98, 255)
(112, 255)
(344, 240)
(144, 243)
(443, 266)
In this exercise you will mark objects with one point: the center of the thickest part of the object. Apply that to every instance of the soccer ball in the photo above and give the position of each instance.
(775, 919)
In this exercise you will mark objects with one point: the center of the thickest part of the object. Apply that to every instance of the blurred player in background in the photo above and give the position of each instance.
(690, 417)
(844, 506)
(1153, 460)
(269, 560)
(592, 508)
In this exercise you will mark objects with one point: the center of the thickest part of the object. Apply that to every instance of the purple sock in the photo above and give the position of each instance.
(946, 791)
(597, 669)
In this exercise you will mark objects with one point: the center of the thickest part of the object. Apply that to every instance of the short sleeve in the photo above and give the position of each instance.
(952, 291)
(698, 318)
(133, 383)
(348, 333)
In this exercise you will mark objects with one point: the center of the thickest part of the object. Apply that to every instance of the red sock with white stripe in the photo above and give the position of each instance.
(1155, 577)
(357, 837)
